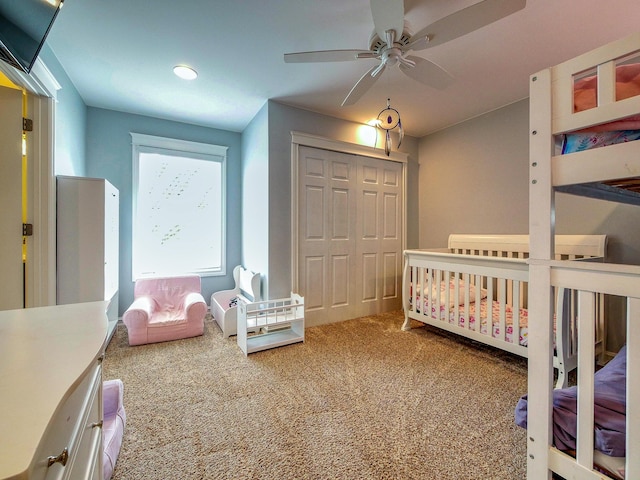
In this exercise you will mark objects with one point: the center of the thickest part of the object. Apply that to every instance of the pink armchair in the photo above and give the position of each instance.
(165, 309)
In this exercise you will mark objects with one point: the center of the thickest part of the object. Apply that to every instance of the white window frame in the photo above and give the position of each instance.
(148, 143)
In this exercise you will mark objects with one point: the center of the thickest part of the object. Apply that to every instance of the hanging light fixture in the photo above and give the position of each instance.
(388, 119)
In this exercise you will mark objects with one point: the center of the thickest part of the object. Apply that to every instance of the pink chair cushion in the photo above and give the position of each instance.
(115, 419)
(169, 292)
(165, 308)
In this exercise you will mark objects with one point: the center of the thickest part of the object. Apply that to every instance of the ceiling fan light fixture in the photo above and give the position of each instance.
(185, 72)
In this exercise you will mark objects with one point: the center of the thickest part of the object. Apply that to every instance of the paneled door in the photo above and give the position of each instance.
(11, 266)
(349, 234)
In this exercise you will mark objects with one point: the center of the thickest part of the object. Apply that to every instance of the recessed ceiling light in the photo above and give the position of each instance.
(185, 72)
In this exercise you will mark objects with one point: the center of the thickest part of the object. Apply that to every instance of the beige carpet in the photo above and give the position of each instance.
(358, 400)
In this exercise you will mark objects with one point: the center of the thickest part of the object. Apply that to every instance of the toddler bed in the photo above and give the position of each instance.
(224, 304)
(598, 167)
(478, 288)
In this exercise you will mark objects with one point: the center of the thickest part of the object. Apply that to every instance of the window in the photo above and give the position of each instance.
(178, 207)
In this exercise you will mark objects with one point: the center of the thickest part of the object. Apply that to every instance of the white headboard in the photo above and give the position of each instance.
(248, 282)
(517, 246)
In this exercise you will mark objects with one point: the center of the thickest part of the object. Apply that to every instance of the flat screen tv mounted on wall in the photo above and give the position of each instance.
(24, 26)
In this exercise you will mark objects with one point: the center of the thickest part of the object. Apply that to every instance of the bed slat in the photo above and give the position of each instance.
(633, 388)
(586, 354)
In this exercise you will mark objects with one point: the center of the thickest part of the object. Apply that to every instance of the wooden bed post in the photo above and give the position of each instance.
(406, 326)
(541, 231)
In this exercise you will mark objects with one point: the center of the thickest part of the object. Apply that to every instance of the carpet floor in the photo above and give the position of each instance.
(360, 399)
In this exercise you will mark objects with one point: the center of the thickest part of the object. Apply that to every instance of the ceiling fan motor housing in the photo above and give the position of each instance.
(377, 45)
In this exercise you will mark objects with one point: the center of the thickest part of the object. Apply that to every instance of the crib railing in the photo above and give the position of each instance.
(451, 286)
(485, 298)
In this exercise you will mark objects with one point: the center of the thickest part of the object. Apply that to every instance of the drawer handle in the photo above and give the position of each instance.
(62, 458)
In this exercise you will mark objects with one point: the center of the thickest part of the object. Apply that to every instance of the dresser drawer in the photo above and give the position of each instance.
(86, 459)
(60, 452)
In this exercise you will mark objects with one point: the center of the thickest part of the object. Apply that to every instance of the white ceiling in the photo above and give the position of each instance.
(119, 54)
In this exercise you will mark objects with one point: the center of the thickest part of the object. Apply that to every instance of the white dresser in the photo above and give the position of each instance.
(51, 391)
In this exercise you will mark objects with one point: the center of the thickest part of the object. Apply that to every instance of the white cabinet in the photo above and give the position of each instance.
(51, 408)
(87, 241)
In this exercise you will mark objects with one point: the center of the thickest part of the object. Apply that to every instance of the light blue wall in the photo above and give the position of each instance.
(255, 196)
(109, 155)
(71, 119)
(96, 142)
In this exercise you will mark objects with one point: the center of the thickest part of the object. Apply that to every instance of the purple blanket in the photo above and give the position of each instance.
(610, 408)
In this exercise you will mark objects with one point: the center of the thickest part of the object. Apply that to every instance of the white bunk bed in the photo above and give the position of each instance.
(552, 115)
(486, 299)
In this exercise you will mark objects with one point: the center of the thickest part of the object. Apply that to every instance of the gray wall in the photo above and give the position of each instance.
(474, 179)
(109, 155)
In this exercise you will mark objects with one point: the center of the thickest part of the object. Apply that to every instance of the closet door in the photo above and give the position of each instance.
(327, 213)
(350, 235)
(378, 235)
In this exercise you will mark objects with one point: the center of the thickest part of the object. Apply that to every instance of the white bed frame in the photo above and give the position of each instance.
(551, 114)
(497, 263)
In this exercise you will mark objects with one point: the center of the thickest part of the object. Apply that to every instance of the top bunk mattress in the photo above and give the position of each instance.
(609, 133)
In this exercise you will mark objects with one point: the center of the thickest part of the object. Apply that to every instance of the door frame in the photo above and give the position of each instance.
(41, 270)
(300, 139)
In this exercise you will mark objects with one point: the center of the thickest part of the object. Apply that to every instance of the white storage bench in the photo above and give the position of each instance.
(277, 323)
(224, 308)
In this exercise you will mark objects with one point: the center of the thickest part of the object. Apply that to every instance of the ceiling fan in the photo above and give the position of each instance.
(391, 42)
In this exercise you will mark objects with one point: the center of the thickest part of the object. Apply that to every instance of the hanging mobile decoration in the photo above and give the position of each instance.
(388, 119)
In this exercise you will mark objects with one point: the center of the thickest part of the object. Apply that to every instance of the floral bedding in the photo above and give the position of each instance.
(577, 142)
(483, 311)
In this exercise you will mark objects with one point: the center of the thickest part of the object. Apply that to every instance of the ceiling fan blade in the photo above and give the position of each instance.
(466, 21)
(388, 15)
(365, 83)
(327, 56)
(427, 72)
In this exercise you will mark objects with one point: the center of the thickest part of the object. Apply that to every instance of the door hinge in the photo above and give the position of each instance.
(27, 229)
(27, 124)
